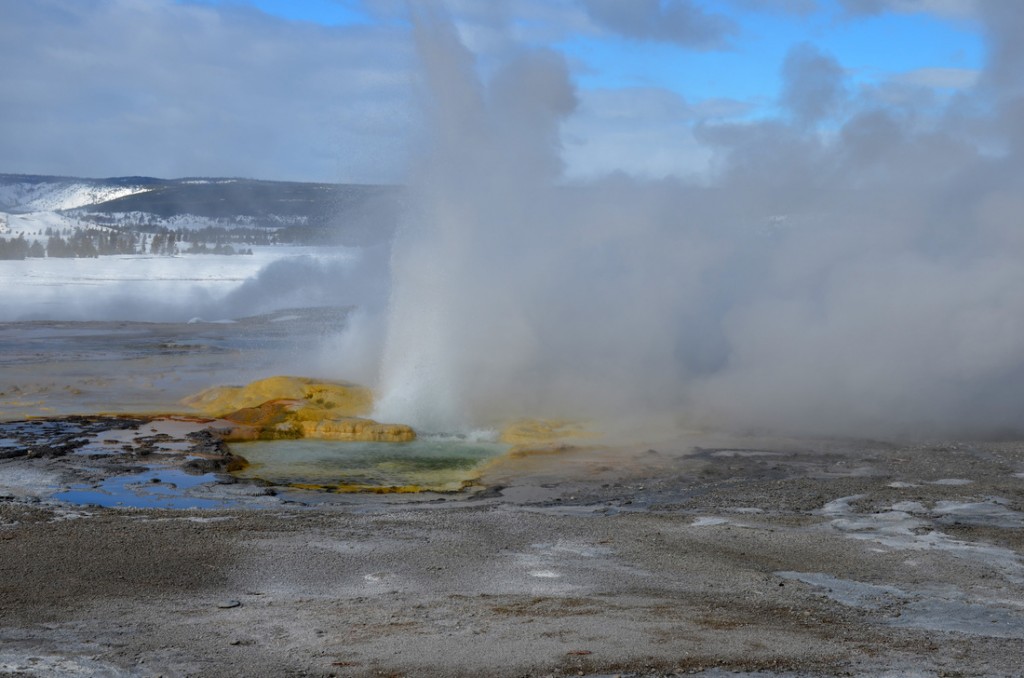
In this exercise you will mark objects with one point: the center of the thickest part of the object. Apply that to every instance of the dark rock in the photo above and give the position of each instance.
(492, 492)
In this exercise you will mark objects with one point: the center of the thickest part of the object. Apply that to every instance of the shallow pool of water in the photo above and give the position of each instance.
(440, 464)
(156, 488)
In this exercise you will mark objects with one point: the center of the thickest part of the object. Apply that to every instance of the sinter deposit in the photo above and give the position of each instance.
(297, 407)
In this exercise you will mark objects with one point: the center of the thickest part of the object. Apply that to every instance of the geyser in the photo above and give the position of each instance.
(851, 266)
(461, 320)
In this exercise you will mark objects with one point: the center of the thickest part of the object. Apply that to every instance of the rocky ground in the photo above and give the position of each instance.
(688, 553)
(701, 554)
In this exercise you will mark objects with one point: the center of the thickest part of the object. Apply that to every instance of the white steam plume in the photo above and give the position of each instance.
(853, 267)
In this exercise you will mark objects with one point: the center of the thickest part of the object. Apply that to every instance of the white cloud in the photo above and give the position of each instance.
(500, 24)
(644, 132)
(677, 21)
(157, 87)
(940, 78)
(169, 88)
(813, 85)
(785, 6)
(950, 8)
(957, 9)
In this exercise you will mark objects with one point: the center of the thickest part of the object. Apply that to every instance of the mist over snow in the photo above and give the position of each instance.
(187, 287)
(852, 266)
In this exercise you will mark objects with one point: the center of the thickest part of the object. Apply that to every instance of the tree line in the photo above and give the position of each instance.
(19, 248)
(90, 243)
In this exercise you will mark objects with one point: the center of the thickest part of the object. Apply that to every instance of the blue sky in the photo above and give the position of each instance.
(324, 12)
(872, 48)
(325, 89)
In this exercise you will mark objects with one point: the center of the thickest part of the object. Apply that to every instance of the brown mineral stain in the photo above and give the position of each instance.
(339, 397)
(540, 431)
(283, 408)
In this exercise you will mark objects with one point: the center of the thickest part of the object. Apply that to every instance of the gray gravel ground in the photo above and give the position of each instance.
(712, 556)
(689, 554)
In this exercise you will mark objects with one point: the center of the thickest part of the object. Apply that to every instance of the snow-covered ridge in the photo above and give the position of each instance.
(208, 181)
(253, 211)
(27, 196)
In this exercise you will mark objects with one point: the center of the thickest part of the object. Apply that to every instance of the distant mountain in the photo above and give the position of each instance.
(20, 193)
(310, 212)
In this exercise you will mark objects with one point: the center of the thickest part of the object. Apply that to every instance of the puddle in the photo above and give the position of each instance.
(156, 488)
(439, 464)
(927, 608)
(989, 513)
(110, 442)
(910, 526)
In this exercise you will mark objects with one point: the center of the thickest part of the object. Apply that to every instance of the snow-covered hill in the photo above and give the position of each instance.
(300, 212)
(59, 194)
(156, 249)
(38, 225)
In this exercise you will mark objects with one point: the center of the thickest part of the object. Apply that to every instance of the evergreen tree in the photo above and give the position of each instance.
(56, 246)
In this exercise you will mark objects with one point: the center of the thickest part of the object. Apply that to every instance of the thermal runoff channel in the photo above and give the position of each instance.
(849, 266)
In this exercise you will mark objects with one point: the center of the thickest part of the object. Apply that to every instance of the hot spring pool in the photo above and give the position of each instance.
(439, 464)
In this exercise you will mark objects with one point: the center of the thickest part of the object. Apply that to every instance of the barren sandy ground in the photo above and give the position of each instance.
(692, 554)
(771, 558)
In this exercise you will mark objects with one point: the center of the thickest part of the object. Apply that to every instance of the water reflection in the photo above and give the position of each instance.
(432, 463)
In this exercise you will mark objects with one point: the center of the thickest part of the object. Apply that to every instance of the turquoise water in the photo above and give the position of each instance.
(430, 463)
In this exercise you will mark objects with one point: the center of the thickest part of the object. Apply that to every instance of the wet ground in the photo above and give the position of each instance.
(57, 368)
(691, 553)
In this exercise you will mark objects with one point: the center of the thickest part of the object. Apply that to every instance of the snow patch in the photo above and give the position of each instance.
(53, 196)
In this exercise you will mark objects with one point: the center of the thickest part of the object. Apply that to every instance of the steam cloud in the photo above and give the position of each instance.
(349, 277)
(853, 267)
